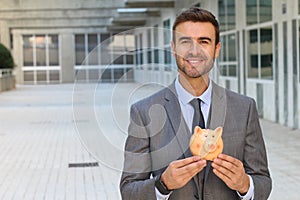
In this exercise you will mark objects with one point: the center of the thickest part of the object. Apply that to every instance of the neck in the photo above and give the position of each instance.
(195, 86)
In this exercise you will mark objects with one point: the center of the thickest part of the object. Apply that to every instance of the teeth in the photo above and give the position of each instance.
(195, 61)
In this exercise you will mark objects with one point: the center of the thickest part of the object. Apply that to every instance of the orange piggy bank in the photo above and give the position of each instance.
(206, 143)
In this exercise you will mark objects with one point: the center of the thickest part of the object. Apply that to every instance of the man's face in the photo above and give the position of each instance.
(194, 48)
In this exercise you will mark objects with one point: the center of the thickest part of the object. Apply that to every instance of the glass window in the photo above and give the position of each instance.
(251, 12)
(228, 57)
(28, 42)
(40, 42)
(252, 54)
(79, 49)
(266, 50)
(157, 52)
(92, 49)
(231, 14)
(149, 46)
(167, 45)
(231, 47)
(105, 39)
(54, 76)
(29, 76)
(41, 51)
(141, 50)
(168, 55)
(260, 53)
(167, 31)
(265, 10)
(258, 11)
(41, 76)
(227, 14)
(53, 50)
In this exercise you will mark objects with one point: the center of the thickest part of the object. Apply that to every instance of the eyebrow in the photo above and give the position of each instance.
(199, 38)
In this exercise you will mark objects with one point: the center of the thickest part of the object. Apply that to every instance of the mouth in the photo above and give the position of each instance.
(195, 61)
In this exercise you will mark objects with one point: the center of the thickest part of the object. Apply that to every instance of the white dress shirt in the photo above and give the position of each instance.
(184, 98)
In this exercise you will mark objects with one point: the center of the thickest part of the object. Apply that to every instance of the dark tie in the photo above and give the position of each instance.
(198, 119)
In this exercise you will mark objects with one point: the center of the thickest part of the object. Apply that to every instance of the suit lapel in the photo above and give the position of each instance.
(217, 113)
(178, 123)
(218, 107)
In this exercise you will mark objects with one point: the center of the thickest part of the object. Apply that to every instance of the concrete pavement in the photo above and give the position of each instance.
(66, 141)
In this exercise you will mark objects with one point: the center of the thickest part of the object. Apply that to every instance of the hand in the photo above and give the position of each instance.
(232, 172)
(180, 172)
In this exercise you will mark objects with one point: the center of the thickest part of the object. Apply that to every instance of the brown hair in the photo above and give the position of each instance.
(197, 15)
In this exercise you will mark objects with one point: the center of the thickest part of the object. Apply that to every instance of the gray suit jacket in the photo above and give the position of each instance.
(158, 135)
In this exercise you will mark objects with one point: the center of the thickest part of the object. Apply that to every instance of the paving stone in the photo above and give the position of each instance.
(44, 128)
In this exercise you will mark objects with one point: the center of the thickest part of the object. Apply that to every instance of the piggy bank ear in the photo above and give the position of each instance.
(219, 130)
(197, 130)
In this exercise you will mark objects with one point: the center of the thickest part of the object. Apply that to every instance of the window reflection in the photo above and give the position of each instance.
(28, 50)
(266, 50)
(252, 54)
(227, 14)
(79, 49)
(53, 50)
(93, 49)
(231, 47)
(260, 53)
(258, 11)
(41, 58)
(228, 55)
(40, 50)
(104, 48)
(265, 10)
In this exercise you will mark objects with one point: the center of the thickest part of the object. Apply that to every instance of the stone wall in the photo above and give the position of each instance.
(7, 80)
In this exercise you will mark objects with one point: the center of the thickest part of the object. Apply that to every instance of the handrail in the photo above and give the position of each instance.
(5, 72)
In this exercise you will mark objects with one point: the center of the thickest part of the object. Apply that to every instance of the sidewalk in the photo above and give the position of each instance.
(41, 137)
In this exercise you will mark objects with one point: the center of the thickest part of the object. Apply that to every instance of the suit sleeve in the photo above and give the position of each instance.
(256, 164)
(135, 181)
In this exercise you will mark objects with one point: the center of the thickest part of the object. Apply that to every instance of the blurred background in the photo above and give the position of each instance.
(78, 65)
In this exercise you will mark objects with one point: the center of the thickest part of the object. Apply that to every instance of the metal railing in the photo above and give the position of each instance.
(5, 72)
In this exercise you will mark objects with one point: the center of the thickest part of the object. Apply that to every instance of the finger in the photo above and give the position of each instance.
(224, 166)
(184, 162)
(223, 170)
(230, 159)
(191, 170)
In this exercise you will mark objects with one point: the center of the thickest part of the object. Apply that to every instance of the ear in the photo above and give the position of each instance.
(217, 51)
(219, 130)
(198, 130)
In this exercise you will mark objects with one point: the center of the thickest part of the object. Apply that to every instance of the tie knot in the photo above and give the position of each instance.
(196, 103)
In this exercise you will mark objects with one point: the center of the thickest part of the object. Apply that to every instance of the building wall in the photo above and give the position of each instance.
(276, 96)
(43, 19)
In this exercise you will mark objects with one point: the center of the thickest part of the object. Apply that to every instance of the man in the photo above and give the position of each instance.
(158, 163)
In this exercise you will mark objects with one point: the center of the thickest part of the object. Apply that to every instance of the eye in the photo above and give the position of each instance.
(185, 42)
(204, 42)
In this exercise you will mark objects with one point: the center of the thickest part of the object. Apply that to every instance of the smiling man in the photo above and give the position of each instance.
(158, 163)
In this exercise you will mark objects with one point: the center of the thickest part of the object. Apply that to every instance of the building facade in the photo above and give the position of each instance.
(118, 40)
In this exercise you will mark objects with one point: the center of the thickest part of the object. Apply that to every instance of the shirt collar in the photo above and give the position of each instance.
(185, 97)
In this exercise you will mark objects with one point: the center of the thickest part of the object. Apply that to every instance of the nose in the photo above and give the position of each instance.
(195, 48)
